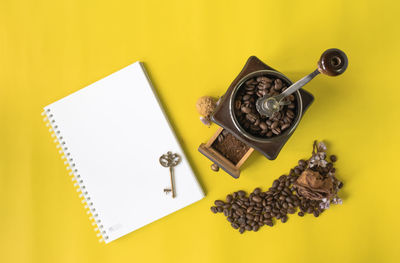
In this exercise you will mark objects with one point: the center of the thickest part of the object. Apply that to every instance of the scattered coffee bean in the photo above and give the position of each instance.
(257, 199)
(226, 206)
(302, 163)
(257, 191)
(333, 158)
(226, 212)
(219, 203)
(241, 193)
(250, 216)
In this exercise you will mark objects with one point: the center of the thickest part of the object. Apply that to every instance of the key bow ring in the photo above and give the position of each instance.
(170, 159)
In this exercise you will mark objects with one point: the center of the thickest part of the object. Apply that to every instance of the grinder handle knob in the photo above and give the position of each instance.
(333, 62)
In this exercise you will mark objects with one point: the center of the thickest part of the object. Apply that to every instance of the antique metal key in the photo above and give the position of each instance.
(170, 160)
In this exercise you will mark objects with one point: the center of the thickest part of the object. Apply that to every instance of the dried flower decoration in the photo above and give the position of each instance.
(318, 155)
(318, 181)
(205, 120)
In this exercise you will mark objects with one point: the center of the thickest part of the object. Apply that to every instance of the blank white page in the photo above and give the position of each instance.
(113, 133)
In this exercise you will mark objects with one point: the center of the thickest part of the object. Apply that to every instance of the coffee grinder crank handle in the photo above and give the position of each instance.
(333, 62)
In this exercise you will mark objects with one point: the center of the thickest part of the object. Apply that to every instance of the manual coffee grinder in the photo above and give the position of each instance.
(333, 62)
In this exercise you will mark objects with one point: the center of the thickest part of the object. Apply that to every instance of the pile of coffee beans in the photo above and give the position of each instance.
(247, 114)
(250, 212)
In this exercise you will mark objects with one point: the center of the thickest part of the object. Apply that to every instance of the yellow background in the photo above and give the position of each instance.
(49, 49)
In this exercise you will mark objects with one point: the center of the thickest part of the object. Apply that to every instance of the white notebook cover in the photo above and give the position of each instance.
(112, 134)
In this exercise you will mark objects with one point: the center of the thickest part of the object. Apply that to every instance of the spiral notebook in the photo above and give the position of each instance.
(112, 134)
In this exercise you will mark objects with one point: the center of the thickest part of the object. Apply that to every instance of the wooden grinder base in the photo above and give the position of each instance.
(219, 159)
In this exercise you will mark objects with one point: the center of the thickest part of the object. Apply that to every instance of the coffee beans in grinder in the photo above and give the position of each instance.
(247, 114)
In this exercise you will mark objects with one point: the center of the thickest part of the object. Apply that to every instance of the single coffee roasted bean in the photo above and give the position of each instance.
(219, 203)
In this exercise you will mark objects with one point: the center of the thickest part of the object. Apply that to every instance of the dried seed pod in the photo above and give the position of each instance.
(206, 105)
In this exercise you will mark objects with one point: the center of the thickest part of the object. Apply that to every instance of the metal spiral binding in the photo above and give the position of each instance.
(79, 184)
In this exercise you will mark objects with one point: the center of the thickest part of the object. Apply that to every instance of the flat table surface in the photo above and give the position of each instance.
(49, 49)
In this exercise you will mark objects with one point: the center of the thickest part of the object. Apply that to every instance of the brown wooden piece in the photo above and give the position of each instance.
(219, 159)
